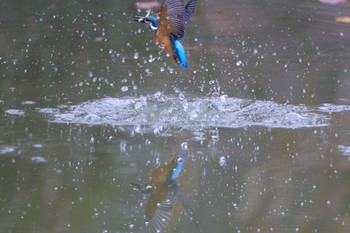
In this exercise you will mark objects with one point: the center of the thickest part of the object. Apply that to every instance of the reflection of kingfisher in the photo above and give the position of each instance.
(164, 193)
(169, 27)
(164, 175)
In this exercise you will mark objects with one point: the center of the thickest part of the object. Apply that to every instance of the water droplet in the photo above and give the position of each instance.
(222, 161)
(136, 55)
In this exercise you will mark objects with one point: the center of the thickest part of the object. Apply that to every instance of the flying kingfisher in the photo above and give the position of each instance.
(163, 193)
(169, 27)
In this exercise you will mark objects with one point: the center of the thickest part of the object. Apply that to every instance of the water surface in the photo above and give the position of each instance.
(89, 103)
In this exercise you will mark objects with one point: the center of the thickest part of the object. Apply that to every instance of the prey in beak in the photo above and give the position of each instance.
(140, 19)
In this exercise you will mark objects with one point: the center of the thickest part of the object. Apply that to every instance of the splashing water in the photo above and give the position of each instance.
(159, 109)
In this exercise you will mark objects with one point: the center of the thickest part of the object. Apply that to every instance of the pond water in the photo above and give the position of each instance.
(89, 104)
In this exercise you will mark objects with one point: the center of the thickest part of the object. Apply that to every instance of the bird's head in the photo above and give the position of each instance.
(150, 21)
(144, 189)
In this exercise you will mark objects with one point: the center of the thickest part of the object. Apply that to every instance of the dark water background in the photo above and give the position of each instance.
(89, 103)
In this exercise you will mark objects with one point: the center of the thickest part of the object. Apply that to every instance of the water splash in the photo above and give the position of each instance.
(161, 110)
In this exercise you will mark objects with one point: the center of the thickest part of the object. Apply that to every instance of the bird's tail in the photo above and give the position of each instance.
(180, 52)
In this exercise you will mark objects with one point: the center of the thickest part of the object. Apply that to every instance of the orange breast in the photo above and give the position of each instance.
(165, 42)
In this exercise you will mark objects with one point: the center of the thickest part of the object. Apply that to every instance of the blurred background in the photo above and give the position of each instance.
(89, 103)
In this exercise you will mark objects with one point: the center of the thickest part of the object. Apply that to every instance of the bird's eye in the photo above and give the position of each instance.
(180, 160)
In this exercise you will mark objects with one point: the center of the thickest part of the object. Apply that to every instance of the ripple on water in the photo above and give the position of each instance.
(39, 159)
(344, 150)
(15, 112)
(28, 102)
(6, 149)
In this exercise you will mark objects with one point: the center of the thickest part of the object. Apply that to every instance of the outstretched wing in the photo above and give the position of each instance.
(189, 9)
(159, 210)
(171, 18)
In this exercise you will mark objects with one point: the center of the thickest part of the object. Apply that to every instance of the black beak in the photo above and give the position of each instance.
(139, 19)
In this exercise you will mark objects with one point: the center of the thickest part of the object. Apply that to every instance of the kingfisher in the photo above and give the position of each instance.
(169, 27)
(164, 175)
(163, 193)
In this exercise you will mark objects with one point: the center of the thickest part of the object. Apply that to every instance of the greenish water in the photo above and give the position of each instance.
(89, 103)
